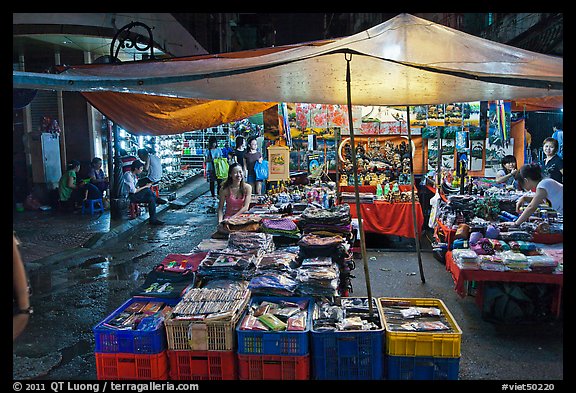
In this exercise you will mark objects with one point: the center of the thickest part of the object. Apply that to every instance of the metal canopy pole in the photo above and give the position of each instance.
(356, 192)
(416, 232)
(439, 161)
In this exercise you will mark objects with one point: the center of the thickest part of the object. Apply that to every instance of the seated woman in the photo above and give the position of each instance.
(507, 175)
(547, 189)
(141, 194)
(97, 176)
(235, 193)
(72, 193)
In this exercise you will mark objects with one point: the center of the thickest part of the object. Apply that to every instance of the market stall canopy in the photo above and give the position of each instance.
(538, 104)
(403, 61)
(143, 114)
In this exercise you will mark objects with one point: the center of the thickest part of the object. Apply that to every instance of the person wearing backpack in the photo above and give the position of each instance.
(212, 153)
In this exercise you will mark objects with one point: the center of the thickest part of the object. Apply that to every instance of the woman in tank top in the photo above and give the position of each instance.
(235, 193)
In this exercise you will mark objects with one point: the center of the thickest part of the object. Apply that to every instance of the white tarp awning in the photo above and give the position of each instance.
(403, 61)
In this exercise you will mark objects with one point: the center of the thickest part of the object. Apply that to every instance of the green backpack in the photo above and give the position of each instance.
(221, 168)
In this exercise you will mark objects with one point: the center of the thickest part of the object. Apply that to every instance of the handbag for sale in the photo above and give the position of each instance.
(261, 169)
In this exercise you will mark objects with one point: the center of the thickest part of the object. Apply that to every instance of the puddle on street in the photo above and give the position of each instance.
(93, 269)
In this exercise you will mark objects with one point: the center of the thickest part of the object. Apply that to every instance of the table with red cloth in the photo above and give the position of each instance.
(372, 189)
(389, 218)
(461, 276)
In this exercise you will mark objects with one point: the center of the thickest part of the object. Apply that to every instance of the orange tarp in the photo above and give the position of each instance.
(538, 103)
(143, 114)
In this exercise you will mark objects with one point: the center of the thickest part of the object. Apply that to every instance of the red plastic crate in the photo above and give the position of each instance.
(203, 365)
(116, 366)
(273, 367)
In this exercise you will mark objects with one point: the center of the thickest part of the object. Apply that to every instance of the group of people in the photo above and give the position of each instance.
(73, 191)
(543, 181)
(246, 159)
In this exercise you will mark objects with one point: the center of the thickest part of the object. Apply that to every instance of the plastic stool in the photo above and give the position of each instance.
(91, 205)
(156, 190)
(133, 210)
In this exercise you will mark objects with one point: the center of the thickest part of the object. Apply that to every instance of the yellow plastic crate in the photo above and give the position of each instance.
(435, 344)
(205, 334)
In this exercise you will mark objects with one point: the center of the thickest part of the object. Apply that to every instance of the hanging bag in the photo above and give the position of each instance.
(221, 167)
(261, 170)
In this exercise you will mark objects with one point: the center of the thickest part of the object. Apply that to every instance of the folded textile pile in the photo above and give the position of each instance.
(279, 260)
(515, 260)
(327, 222)
(241, 222)
(542, 263)
(466, 259)
(280, 226)
(492, 263)
(273, 283)
(251, 241)
(228, 264)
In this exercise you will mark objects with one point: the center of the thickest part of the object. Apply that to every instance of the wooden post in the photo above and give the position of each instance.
(416, 231)
(356, 192)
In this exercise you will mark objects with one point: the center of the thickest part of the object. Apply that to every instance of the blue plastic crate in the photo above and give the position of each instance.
(110, 340)
(422, 368)
(288, 343)
(348, 355)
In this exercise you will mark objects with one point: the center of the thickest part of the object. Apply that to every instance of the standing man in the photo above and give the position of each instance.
(559, 136)
(152, 165)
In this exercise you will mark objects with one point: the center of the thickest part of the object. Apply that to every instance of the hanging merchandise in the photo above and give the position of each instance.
(221, 167)
(279, 163)
(261, 169)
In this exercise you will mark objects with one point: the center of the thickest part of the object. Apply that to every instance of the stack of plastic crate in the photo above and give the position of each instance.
(349, 354)
(135, 351)
(420, 354)
(275, 355)
(201, 336)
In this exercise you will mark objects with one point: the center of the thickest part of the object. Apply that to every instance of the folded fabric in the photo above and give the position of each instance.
(284, 224)
(521, 245)
(499, 245)
(483, 247)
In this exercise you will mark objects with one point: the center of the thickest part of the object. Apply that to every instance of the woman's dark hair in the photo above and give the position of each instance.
(96, 160)
(229, 180)
(507, 159)
(212, 140)
(252, 138)
(239, 141)
(136, 164)
(143, 153)
(72, 164)
(553, 141)
(529, 171)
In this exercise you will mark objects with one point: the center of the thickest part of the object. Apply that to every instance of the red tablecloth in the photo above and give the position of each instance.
(389, 218)
(372, 189)
(461, 276)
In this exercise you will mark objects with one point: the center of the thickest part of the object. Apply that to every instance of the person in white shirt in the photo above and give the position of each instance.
(142, 194)
(152, 165)
(530, 178)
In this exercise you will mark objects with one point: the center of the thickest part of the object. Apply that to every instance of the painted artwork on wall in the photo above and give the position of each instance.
(494, 155)
(476, 155)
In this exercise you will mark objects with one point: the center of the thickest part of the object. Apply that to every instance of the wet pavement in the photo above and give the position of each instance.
(83, 268)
